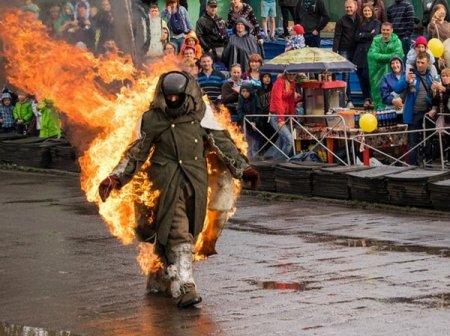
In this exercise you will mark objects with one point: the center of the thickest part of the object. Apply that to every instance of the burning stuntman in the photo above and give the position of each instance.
(175, 132)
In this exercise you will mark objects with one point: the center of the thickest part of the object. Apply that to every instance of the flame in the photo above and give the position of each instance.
(77, 81)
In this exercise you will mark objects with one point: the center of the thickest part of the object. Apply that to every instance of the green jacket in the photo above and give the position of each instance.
(50, 124)
(23, 111)
(378, 58)
(178, 150)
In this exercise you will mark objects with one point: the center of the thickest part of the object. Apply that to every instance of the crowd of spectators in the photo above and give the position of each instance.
(225, 55)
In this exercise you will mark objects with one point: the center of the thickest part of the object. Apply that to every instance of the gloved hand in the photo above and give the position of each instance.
(107, 185)
(252, 176)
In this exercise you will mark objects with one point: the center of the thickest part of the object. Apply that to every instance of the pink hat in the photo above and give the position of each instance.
(299, 29)
(421, 40)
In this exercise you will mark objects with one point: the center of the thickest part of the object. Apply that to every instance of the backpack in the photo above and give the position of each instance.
(176, 23)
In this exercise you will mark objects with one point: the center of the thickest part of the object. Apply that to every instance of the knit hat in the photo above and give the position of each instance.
(421, 40)
(299, 30)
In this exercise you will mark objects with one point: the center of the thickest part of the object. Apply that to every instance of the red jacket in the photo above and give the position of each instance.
(282, 102)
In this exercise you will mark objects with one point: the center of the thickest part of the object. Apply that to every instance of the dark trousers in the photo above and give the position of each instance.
(364, 82)
(312, 41)
(415, 138)
(346, 76)
(285, 10)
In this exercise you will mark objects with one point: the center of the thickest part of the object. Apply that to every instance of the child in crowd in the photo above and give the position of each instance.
(6, 113)
(22, 113)
(192, 41)
(30, 6)
(50, 123)
(190, 61)
(248, 105)
(296, 40)
(420, 44)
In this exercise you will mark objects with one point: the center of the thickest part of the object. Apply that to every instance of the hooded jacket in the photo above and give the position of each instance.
(197, 47)
(177, 148)
(6, 112)
(388, 83)
(239, 48)
(248, 106)
(378, 58)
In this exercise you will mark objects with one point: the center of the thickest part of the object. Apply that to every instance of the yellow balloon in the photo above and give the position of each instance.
(368, 122)
(436, 47)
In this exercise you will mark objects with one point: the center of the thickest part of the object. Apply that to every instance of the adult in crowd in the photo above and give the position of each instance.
(268, 14)
(104, 21)
(174, 135)
(156, 32)
(82, 29)
(428, 8)
(212, 31)
(264, 93)
(189, 61)
(240, 10)
(209, 79)
(367, 30)
(170, 49)
(287, 7)
(178, 21)
(313, 16)
(282, 104)
(418, 101)
(439, 27)
(231, 89)
(252, 75)
(384, 46)
(240, 46)
(378, 8)
(344, 39)
(389, 97)
(401, 15)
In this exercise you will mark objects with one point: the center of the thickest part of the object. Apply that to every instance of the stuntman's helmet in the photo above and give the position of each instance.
(173, 87)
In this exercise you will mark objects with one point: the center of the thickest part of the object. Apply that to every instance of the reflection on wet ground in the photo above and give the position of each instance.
(347, 241)
(441, 300)
(7, 329)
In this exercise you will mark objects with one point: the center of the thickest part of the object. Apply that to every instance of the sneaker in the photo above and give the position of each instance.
(350, 105)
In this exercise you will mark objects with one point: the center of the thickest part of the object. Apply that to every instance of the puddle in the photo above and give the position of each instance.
(441, 300)
(7, 329)
(281, 285)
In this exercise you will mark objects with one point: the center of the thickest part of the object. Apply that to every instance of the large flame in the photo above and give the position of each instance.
(78, 83)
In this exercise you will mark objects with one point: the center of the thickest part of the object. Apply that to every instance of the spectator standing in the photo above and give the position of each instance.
(439, 27)
(240, 10)
(286, 7)
(384, 46)
(104, 23)
(53, 17)
(209, 79)
(82, 29)
(268, 13)
(50, 123)
(212, 31)
(264, 93)
(248, 105)
(178, 21)
(156, 32)
(282, 104)
(389, 97)
(428, 8)
(296, 40)
(367, 30)
(67, 16)
(252, 75)
(378, 9)
(30, 6)
(241, 45)
(6, 113)
(231, 89)
(313, 16)
(418, 100)
(22, 113)
(401, 15)
(344, 39)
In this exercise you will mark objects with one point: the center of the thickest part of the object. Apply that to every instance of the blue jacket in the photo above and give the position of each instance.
(410, 101)
(388, 82)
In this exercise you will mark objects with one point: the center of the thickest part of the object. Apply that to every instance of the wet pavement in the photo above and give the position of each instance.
(285, 267)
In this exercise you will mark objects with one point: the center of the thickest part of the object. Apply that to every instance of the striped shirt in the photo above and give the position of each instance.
(212, 84)
(401, 15)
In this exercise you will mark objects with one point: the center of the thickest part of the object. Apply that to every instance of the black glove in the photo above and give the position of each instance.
(252, 176)
(107, 185)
